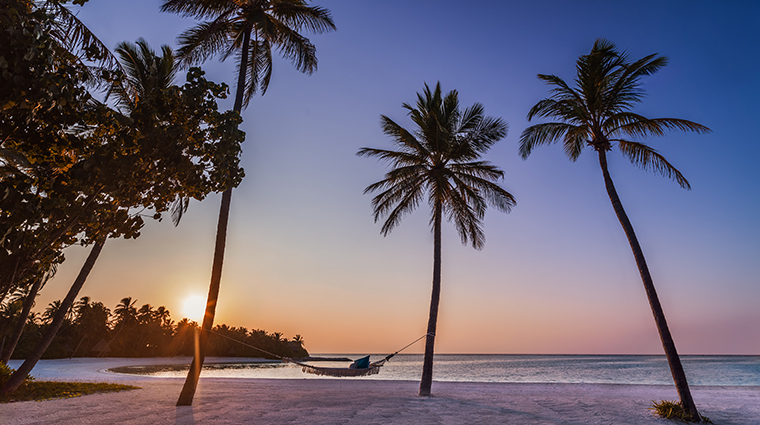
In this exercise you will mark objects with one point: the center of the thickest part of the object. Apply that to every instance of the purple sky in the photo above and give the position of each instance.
(556, 275)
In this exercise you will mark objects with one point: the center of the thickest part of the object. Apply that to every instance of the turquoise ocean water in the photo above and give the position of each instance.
(608, 369)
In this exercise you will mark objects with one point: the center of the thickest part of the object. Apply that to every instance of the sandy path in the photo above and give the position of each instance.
(316, 401)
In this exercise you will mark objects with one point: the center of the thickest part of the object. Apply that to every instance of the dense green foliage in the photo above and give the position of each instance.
(73, 170)
(91, 330)
(32, 390)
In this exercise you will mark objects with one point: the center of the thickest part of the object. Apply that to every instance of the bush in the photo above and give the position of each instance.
(674, 410)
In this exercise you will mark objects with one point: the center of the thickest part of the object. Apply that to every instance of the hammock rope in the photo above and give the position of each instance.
(373, 369)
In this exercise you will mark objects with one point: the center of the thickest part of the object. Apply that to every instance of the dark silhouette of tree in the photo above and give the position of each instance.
(84, 170)
(440, 162)
(597, 112)
(248, 29)
(139, 332)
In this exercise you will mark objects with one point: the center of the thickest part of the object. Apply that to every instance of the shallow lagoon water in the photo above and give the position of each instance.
(604, 369)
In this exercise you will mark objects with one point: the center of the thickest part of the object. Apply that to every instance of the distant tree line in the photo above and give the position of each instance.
(91, 329)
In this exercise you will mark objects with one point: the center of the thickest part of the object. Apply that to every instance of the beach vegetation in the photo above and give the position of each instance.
(439, 162)
(33, 390)
(597, 112)
(248, 30)
(673, 410)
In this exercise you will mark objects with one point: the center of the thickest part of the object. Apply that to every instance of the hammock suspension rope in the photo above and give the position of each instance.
(372, 369)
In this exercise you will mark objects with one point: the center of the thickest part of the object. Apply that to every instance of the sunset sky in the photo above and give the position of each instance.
(556, 275)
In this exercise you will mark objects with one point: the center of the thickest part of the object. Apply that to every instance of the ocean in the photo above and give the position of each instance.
(605, 369)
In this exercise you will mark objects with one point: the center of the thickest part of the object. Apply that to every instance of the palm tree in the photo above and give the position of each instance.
(597, 112)
(125, 312)
(440, 161)
(146, 73)
(247, 29)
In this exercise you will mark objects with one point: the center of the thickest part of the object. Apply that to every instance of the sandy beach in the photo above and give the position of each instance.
(356, 401)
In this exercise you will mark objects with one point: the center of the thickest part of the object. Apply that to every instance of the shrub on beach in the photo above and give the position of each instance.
(44, 390)
(674, 410)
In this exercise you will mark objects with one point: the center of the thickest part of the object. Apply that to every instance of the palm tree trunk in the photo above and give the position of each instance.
(18, 377)
(679, 377)
(427, 365)
(19, 329)
(191, 382)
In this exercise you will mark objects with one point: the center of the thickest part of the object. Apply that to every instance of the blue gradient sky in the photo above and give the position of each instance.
(556, 275)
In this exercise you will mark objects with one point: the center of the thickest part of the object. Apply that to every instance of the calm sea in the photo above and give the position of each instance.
(608, 369)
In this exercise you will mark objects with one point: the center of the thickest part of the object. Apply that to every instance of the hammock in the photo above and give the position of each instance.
(369, 369)
(361, 367)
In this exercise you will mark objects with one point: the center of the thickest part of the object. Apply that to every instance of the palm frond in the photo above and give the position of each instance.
(301, 17)
(394, 158)
(204, 40)
(466, 216)
(80, 42)
(637, 126)
(178, 209)
(575, 140)
(259, 69)
(200, 9)
(541, 134)
(410, 200)
(296, 48)
(649, 159)
(494, 194)
(402, 137)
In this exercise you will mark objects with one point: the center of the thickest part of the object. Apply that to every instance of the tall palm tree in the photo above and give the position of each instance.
(597, 112)
(247, 29)
(440, 161)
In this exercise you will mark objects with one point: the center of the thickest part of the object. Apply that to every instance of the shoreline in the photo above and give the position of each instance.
(357, 401)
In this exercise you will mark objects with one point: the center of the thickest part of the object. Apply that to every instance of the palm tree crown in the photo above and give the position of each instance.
(597, 111)
(146, 73)
(441, 160)
(249, 29)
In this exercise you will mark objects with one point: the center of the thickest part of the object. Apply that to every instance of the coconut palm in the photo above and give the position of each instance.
(247, 29)
(597, 113)
(440, 162)
(146, 75)
(145, 72)
(125, 312)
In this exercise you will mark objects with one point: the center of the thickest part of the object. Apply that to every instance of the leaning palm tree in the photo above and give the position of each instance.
(247, 29)
(597, 112)
(440, 162)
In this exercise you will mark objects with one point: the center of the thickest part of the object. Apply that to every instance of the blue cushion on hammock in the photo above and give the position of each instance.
(362, 363)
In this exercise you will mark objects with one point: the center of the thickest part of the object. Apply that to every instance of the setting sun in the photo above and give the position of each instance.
(193, 307)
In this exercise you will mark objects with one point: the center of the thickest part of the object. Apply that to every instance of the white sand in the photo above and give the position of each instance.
(356, 401)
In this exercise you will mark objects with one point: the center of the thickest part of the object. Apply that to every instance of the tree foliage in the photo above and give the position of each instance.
(439, 162)
(73, 170)
(597, 111)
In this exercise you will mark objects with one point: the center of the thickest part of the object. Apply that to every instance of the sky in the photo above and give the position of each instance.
(556, 275)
